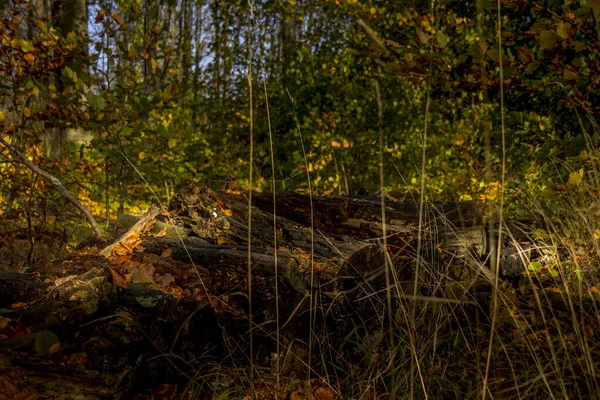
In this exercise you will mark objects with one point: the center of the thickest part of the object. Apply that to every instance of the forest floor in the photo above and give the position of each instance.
(75, 324)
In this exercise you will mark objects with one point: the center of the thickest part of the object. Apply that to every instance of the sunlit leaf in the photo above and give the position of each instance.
(535, 266)
(27, 46)
(575, 177)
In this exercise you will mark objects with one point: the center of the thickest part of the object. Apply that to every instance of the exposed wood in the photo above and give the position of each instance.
(137, 229)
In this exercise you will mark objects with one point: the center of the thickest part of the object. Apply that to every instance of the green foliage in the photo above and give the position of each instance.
(174, 103)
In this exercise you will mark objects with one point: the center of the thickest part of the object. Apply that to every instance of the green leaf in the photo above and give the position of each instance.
(172, 143)
(535, 266)
(548, 39)
(68, 72)
(26, 46)
(72, 147)
(441, 39)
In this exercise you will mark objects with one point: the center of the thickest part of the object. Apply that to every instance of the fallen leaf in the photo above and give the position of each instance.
(167, 253)
(162, 233)
(144, 274)
(26, 394)
(78, 358)
(54, 349)
(164, 391)
(18, 306)
(166, 280)
(324, 394)
(22, 330)
(115, 261)
(4, 322)
(148, 227)
(119, 279)
(7, 387)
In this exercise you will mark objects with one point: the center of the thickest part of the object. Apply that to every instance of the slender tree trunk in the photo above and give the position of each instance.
(216, 15)
(197, 57)
(71, 17)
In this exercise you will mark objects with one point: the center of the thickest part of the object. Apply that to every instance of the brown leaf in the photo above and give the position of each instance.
(524, 54)
(7, 387)
(144, 274)
(26, 394)
(116, 261)
(54, 349)
(148, 227)
(78, 358)
(22, 330)
(422, 36)
(117, 18)
(324, 394)
(167, 253)
(118, 278)
(18, 306)
(119, 250)
(4, 322)
(132, 241)
(8, 331)
(30, 58)
(162, 233)
(166, 280)
(165, 391)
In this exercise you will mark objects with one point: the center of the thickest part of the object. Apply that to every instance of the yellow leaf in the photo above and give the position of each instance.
(1, 116)
(27, 112)
(373, 10)
(575, 177)
(35, 91)
(154, 64)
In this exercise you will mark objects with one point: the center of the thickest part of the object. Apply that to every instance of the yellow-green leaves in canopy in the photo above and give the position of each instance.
(548, 39)
(172, 143)
(442, 39)
(26, 46)
(575, 177)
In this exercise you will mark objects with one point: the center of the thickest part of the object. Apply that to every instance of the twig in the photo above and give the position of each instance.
(60, 187)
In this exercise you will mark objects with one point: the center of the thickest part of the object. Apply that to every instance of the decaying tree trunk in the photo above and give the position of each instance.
(192, 271)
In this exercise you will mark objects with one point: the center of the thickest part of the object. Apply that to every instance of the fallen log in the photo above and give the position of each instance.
(188, 295)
